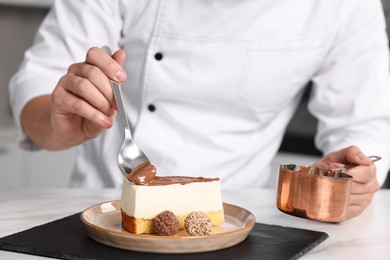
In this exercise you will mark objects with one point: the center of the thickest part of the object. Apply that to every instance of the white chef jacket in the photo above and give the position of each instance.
(217, 97)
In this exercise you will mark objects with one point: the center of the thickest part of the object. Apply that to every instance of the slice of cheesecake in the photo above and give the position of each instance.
(140, 204)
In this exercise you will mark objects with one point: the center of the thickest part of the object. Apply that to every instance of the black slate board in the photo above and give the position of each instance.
(67, 239)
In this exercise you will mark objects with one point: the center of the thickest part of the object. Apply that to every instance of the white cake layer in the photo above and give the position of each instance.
(148, 201)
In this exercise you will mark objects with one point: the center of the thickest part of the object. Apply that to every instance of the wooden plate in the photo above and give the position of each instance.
(103, 224)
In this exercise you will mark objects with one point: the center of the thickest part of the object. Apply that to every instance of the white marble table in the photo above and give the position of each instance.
(365, 237)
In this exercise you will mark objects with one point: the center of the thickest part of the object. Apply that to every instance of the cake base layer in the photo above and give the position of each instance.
(146, 226)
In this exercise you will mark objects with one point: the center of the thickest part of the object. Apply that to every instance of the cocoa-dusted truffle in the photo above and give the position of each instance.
(197, 223)
(166, 223)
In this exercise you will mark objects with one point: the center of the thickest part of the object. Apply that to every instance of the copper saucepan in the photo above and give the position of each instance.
(313, 192)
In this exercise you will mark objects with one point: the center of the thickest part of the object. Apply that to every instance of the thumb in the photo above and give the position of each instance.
(119, 56)
(354, 155)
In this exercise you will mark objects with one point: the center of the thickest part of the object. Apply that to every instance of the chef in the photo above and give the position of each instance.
(209, 86)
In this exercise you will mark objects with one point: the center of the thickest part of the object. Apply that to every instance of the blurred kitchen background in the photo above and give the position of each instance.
(19, 20)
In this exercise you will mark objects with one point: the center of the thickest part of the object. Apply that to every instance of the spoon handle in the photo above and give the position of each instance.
(119, 100)
(121, 107)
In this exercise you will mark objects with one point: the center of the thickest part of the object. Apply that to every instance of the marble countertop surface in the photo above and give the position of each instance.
(364, 237)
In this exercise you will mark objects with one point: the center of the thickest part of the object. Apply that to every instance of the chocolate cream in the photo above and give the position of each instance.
(145, 174)
(142, 174)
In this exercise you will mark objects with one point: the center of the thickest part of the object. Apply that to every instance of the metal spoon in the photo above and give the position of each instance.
(129, 156)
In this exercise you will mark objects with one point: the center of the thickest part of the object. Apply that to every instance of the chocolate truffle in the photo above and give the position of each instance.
(166, 223)
(197, 223)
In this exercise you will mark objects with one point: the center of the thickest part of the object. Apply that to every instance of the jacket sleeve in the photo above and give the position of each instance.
(64, 37)
(351, 90)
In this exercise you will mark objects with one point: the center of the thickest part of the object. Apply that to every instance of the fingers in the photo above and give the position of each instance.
(363, 174)
(92, 85)
(86, 90)
(358, 203)
(66, 102)
(349, 155)
(109, 65)
(354, 211)
(353, 155)
(120, 57)
(363, 188)
(362, 200)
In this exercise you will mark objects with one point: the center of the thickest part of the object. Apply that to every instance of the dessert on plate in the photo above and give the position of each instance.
(146, 196)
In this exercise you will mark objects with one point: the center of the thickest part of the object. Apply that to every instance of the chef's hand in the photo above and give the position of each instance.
(82, 103)
(364, 183)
